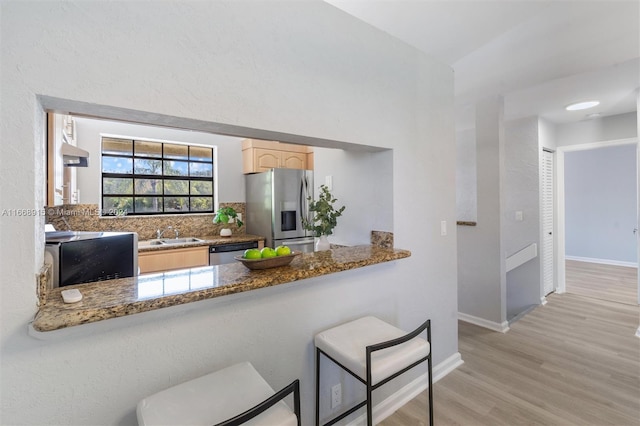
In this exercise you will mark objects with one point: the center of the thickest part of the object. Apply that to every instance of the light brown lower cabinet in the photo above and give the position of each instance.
(167, 260)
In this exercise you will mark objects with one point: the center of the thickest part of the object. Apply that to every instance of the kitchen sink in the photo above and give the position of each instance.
(168, 241)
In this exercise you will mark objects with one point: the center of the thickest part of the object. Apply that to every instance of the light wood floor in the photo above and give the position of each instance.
(573, 361)
(606, 282)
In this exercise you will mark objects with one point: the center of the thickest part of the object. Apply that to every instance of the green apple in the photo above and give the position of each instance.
(253, 253)
(267, 252)
(283, 251)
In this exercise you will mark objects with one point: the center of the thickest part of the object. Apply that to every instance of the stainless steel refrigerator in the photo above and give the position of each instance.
(277, 200)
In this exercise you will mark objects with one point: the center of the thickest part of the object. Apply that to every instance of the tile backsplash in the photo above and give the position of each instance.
(86, 217)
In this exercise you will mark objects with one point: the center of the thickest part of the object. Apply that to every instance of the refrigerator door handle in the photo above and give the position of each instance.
(300, 208)
(297, 242)
(304, 190)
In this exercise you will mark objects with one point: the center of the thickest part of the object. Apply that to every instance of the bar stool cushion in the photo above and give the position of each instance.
(346, 343)
(214, 398)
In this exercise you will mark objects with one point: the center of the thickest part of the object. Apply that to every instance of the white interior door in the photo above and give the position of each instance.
(547, 222)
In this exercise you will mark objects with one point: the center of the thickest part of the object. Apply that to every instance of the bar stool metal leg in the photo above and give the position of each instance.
(429, 365)
(317, 387)
(369, 390)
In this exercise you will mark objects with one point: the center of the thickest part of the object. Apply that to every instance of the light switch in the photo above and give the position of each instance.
(443, 228)
(519, 216)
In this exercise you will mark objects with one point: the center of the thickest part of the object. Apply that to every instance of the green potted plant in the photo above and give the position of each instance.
(324, 217)
(226, 215)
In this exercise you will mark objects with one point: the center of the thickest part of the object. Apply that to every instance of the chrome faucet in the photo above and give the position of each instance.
(159, 233)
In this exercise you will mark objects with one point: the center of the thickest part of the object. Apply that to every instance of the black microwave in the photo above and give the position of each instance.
(82, 257)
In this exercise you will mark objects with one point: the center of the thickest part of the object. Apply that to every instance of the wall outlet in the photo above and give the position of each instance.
(336, 395)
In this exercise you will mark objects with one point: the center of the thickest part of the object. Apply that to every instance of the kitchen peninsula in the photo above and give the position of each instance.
(127, 296)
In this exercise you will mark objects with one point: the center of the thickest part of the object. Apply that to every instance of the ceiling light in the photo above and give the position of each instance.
(582, 105)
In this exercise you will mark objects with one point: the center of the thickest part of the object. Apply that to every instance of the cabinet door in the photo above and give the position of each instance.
(265, 159)
(166, 260)
(294, 160)
(310, 160)
(61, 180)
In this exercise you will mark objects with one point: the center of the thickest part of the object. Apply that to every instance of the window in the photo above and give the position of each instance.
(141, 177)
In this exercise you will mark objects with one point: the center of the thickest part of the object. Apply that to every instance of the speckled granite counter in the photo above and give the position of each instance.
(127, 296)
(207, 240)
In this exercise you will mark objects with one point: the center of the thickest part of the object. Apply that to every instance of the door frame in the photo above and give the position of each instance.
(561, 286)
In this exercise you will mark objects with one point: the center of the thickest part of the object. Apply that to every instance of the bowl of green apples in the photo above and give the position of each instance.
(267, 257)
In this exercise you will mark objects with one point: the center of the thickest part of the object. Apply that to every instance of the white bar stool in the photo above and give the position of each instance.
(373, 352)
(233, 396)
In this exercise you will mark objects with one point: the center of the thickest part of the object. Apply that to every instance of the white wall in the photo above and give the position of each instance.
(466, 175)
(481, 262)
(600, 204)
(622, 126)
(522, 194)
(295, 68)
(230, 177)
(546, 134)
(507, 182)
(363, 178)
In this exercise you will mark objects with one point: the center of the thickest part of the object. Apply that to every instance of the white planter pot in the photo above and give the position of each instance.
(322, 243)
(225, 232)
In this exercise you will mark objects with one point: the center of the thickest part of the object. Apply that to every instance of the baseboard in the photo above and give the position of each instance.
(520, 315)
(481, 322)
(394, 402)
(602, 261)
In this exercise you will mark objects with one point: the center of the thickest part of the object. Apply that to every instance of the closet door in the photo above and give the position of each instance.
(548, 239)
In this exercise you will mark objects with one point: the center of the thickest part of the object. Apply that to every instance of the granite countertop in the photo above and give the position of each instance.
(127, 296)
(207, 240)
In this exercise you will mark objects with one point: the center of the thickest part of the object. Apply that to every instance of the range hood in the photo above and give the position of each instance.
(72, 156)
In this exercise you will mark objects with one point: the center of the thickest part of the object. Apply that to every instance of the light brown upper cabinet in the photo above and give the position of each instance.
(260, 156)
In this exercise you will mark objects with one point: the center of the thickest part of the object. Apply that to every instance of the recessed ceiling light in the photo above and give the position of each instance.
(582, 105)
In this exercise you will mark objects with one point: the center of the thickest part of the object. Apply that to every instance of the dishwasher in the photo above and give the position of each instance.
(225, 253)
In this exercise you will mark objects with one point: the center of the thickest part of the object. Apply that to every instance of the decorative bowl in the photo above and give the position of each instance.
(271, 262)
